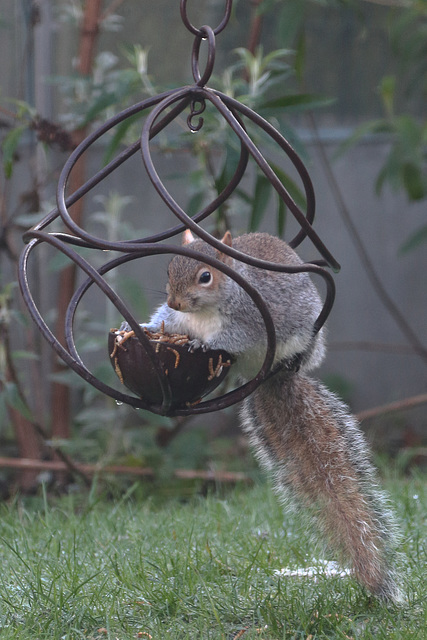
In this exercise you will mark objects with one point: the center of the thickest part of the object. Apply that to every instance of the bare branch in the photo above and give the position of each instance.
(399, 405)
(147, 472)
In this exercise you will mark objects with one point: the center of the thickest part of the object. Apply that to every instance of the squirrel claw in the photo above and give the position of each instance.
(194, 345)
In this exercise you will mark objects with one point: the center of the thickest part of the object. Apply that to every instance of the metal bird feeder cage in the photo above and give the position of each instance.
(142, 361)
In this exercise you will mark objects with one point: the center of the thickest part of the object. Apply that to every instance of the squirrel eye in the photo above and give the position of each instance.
(205, 277)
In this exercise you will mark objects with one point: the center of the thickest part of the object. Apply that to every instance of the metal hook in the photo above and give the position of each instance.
(196, 112)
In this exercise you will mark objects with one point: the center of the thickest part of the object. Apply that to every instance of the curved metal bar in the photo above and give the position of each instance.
(252, 149)
(305, 221)
(65, 173)
(164, 108)
(199, 32)
(116, 162)
(72, 357)
(135, 326)
(127, 245)
(184, 95)
(118, 303)
(240, 393)
(238, 255)
(51, 338)
(208, 34)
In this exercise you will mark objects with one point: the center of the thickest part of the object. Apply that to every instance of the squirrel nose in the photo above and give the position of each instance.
(173, 303)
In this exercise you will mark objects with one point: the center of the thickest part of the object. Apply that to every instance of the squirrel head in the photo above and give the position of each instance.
(192, 285)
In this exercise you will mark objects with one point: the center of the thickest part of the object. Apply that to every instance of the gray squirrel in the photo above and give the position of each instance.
(300, 431)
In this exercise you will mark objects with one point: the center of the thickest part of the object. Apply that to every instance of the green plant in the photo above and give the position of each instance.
(405, 166)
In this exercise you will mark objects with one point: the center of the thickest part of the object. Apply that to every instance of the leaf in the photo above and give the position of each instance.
(119, 134)
(274, 59)
(290, 21)
(195, 203)
(298, 102)
(291, 187)
(260, 200)
(300, 51)
(4, 416)
(369, 128)
(413, 181)
(14, 400)
(410, 134)
(9, 146)
(390, 172)
(229, 166)
(265, 6)
(100, 104)
(414, 241)
(131, 290)
(23, 108)
(281, 217)
(387, 91)
(26, 355)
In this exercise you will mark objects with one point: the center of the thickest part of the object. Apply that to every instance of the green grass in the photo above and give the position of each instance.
(87, 567)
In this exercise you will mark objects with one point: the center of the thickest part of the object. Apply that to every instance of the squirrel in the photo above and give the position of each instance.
(301, 432)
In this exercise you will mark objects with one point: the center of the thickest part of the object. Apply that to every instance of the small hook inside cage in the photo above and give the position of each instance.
(197, 107)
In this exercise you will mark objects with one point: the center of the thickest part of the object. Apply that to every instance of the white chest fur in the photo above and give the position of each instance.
(200, 325)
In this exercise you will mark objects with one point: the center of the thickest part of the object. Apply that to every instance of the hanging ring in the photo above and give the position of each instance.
(199, 32)
(209, 35)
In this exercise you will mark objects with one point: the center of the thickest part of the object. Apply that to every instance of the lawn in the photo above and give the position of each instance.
(148, 566)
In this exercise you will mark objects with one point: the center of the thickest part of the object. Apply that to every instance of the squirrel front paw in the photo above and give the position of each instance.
(195, 344)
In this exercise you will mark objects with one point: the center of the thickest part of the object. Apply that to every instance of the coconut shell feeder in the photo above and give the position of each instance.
(160, 372)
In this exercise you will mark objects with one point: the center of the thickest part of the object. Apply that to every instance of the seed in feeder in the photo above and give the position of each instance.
(177, 356)
(121, 337)
(211, 369)
(118, 370)
(193, 404)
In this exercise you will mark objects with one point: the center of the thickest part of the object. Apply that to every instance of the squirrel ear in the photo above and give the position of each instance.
(187, 237)
(227, 239)
(223, 256)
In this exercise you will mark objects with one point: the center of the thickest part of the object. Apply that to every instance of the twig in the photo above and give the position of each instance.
(255, 27)
(24, 426)
(147, 472)
(404, 4)
(60, 395)
(399, 405)
(165, 435)
(68, 463)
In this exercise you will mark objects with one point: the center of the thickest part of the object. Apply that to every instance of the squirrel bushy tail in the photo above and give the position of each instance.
(306, 437)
